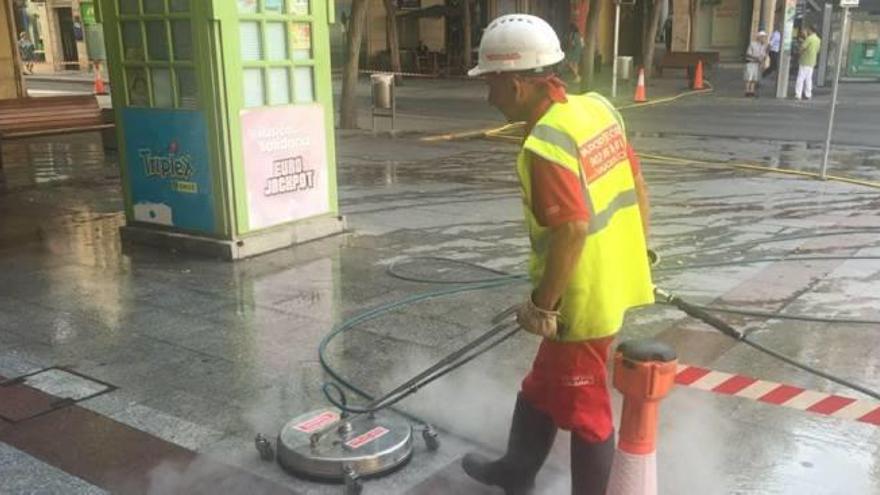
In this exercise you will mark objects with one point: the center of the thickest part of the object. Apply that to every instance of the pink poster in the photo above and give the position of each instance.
(285, 162)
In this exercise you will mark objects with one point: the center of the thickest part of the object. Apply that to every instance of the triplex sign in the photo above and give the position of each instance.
(849, 3)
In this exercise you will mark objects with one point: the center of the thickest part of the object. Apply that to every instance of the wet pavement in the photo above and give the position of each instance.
(203, 354)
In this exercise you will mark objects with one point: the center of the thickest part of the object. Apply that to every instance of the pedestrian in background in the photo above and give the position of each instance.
(756, 54)
(775, 47)
(809, 54)
(574, 50)
(26, 50)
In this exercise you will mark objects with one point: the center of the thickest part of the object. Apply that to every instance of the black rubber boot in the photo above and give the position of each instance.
(590, 465)
(531, 437)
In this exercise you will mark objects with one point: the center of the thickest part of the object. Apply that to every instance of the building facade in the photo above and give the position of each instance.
(863, 41)
(437, 26)
(11, 83)
(59, 30)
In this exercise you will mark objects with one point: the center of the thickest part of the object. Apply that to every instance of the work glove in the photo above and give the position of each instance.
(532, 319)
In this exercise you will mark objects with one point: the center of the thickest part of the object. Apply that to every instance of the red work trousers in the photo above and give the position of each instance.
(569, 383)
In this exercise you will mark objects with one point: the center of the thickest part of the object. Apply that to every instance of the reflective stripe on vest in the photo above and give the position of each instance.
(567, 144)
(585, 135)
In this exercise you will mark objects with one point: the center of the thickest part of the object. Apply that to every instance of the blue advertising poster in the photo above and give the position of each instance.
(168, 168)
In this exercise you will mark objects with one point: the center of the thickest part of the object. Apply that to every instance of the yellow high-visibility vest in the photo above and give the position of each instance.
(586, 135)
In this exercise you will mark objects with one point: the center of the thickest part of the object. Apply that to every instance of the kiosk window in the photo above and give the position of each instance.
(253, 88)
(163, 95)
(187, 89)
(181, 37)
(132, 41)
(276, 41)
(274, 5)
(277, 52)
(302, 82)
(159, 53)
(302, 40)
(179, 5)
(299, 7)
(138, 90)
(154, 6)
(129, 7)
(247, 6)
(157, 40)
(279, 86)
(251, 41)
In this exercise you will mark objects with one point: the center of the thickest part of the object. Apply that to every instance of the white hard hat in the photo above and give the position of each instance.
(517, 42)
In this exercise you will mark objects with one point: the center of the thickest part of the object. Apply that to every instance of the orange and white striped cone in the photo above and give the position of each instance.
(644, 372)
(640, 96)
(99, 88)
(698, 76)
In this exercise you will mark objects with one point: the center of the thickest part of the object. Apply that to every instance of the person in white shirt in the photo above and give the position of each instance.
(755, 57)
(775, 48)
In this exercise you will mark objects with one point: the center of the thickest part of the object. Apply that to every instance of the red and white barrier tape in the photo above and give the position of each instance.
(779, 394)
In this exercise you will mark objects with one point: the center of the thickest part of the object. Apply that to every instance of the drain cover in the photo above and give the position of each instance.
(323, 445)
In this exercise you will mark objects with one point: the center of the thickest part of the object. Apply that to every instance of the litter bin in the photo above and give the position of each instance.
(382, 90)
(383, 98)
(624, 68)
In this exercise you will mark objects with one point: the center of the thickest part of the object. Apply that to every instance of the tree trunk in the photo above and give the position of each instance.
(392, 38)
(588, 58)
(692, 24)
(650, 37)
(348, 102)
(466, 38)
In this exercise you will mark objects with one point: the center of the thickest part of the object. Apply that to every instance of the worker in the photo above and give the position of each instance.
(587, 213)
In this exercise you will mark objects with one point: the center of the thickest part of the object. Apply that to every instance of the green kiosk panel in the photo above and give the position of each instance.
(225, 122)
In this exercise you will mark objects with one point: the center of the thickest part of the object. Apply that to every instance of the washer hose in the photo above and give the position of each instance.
(330, 388)
(695, 311)
(735, 334)
(448, 364)
(336, 395)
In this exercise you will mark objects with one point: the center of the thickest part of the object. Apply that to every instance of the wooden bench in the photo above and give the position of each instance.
(49, 116)
(687, 60)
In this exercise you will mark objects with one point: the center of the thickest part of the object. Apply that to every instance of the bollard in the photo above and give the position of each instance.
(644, 372)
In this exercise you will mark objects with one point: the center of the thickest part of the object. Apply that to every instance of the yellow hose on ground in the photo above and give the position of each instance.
(503, 133)
(499, 131)
(674, 160)
(670, 98)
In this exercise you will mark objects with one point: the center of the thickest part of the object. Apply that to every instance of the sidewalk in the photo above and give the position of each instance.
(67, 76)
(455, 105)
(205, 354)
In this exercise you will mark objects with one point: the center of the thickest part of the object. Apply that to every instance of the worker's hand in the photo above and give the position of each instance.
(539, 321)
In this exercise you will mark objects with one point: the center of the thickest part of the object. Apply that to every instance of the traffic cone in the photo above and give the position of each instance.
(698, 75)
(640, 88)
(99, 88)
(644, 372)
